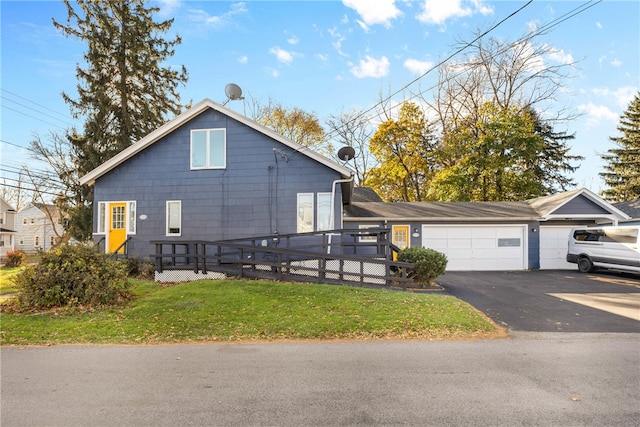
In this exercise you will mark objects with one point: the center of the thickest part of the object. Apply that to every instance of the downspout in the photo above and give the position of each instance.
(333, 208)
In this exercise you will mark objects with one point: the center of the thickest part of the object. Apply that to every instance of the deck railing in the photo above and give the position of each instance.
(361, 256)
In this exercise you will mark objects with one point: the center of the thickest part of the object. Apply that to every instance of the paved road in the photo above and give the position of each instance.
(552, 301)
(536, 379)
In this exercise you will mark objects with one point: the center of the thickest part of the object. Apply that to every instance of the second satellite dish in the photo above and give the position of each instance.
(233, 92)
(346, 153)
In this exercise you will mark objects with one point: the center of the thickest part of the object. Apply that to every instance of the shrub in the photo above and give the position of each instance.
(73, 276)
(428, 263)
(140, 269)
(14, 258)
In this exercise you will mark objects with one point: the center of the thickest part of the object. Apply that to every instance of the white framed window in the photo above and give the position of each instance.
(373, 238)
(174, 217)
(324, 211)
(305, 212)
(131, 220)
(33, 220)
(24, 221)
(21, 241)
(102, 214)
(2, 215)
(208, 149)
(36, 242)
(52, 240)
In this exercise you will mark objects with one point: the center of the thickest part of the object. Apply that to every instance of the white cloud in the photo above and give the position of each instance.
(371, 67)
(558, 55)
(200, 15)
(418, 67)
(169, 7)
(616, 63)
(337, 40)
(272, 72)
(622, 96)
(598, 25)
(243, 59)
(597, 113)
(322, 57)
(374, 12)
(284, 56)
(438, 11)
(293, 40)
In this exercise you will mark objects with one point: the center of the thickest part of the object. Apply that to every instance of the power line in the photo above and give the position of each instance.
(30, 116)
(35, 103)
(31, 189)
(37, 111)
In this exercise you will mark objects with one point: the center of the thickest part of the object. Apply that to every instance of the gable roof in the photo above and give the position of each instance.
(631, 208)
(575, 204)
(199, 108)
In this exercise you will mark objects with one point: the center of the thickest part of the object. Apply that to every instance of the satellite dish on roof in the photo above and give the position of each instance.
(233, 92)
(346, 153)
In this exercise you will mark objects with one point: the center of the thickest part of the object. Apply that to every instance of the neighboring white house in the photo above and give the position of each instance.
(38, 227)
(7, 228)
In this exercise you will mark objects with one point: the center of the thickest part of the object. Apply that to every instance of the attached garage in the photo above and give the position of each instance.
(490, 236)
(479, 247)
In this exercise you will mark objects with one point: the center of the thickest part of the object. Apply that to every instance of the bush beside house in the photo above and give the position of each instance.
(428, 264)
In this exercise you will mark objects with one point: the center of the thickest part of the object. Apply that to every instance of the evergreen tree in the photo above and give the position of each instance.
(553, 161)
(622, 166)
(124, 91)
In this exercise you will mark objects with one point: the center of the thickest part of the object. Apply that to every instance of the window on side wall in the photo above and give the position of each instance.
(102, 214)
(305, 212)
(208, 149)
(174, 218)
(324, 212)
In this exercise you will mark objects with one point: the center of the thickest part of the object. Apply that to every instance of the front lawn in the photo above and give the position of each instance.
(244, 310)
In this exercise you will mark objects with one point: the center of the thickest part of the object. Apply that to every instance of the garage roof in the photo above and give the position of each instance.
(576, 204)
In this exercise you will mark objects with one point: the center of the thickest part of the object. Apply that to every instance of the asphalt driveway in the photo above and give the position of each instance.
(551, 301)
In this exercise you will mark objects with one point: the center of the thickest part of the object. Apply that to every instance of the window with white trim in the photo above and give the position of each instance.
(131, 221)
(305, 212)
(208, 149)
(36, 241)
(324, 211)
(174, 217)
(102, 214)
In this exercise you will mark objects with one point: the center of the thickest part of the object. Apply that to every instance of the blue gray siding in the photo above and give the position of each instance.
(256, 194)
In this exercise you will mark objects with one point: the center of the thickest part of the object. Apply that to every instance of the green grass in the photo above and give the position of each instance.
(6, 284)
(242, 310)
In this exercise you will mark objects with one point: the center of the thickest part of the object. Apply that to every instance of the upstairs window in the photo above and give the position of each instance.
(208, 149)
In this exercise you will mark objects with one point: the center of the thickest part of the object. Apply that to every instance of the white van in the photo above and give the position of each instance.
(605, 247)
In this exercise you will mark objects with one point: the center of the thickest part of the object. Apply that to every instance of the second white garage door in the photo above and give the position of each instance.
(553, 248)
(476, 248)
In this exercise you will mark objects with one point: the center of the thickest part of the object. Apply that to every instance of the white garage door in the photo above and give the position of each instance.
(553, 248)
(475, 248)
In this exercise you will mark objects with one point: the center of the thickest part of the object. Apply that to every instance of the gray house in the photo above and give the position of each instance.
(212, 174)
(7, 227)
(38, 227)
(523, 235)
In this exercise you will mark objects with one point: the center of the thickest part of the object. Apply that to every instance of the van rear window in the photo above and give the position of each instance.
(616, 235)
(588, 235)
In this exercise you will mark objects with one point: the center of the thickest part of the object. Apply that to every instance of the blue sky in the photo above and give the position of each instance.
(327, 57)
